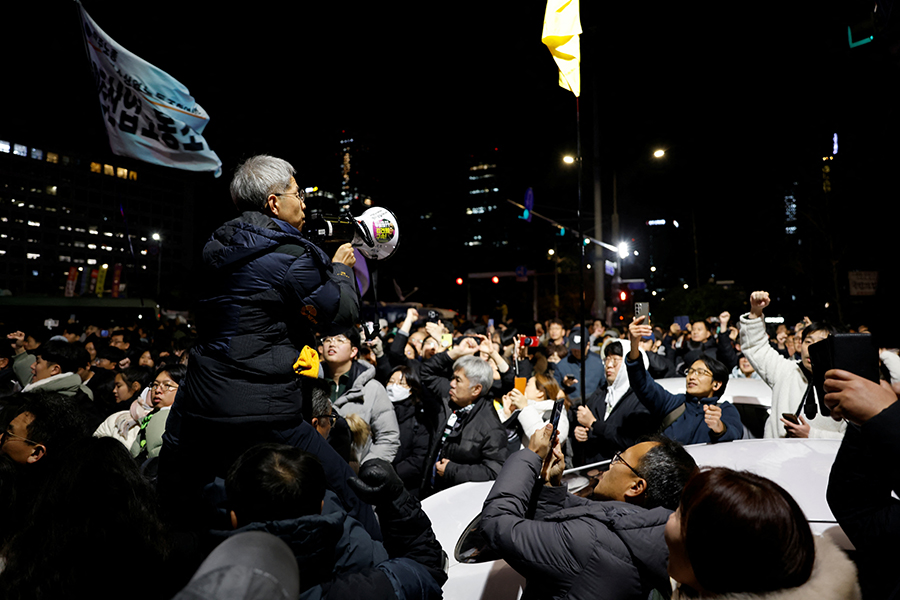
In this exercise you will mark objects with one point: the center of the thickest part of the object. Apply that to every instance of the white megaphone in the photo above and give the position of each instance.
(375, 232)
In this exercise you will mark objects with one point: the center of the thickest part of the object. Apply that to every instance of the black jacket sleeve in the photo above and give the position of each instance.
(865, 472)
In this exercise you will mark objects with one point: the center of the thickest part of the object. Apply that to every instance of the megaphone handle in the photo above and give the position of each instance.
(365, 234)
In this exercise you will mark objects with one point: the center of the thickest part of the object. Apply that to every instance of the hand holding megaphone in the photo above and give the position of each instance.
(345, 255)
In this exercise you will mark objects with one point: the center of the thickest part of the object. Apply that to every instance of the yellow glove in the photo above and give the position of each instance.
(307, 363)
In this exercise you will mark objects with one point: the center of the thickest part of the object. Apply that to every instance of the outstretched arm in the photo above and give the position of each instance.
(652, 395)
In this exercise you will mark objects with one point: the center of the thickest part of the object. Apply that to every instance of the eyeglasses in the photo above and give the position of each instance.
(698, 372)
(612, 358)
(10, 434)
(169, 386)
(301, 195)
(335, 340)
(618, 459)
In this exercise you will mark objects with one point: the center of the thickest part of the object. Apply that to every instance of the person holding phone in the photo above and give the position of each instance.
(610, 546)
(694, 417)
(535, 406)
(793, 393)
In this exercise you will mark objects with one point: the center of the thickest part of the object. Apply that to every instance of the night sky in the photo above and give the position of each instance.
(745, 97)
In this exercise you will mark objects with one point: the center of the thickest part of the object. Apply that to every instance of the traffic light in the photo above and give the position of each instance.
(495, 279)
(459, 281)
(623, 296)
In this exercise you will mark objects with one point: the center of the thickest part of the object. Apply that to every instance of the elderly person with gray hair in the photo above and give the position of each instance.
(267, 291)
(470, 442)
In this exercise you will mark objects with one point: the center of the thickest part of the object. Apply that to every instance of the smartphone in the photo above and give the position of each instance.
(446, 340)
(555, 414)
(853, 352)
(641, 309)
(791, 417)
(521, 382)
(490, 322)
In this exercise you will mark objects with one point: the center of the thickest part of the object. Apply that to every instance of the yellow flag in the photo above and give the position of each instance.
(562, 26)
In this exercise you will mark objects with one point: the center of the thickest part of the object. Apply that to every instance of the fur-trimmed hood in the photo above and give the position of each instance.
(833, 578)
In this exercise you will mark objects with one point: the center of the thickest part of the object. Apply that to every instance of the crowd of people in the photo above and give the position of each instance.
(146, 458)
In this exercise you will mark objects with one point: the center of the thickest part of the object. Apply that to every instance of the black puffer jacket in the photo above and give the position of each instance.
(573, 548)
(414, 443)
(267, 290)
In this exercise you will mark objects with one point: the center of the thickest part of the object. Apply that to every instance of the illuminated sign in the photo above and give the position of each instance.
(657, 222)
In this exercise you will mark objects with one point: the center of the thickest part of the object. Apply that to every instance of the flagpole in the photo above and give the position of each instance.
(581, 243)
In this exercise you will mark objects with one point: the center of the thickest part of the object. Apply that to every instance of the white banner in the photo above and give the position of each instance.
(149, 115)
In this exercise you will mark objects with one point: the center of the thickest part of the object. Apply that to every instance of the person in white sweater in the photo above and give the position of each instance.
(791, 381)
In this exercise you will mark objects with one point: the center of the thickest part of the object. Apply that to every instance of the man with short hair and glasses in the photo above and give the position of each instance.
(354, 390)
(44, 424)
(694, 417)
(610, 546)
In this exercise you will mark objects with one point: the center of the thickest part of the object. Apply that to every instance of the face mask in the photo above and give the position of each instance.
(397, 393)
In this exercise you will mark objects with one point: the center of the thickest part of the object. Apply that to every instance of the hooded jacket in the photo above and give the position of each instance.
(627, 421)
(573, 548)
(833, 578)
(267, 290)
(368, 399)
(325, 545)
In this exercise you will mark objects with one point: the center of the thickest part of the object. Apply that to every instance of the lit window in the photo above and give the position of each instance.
(109, 170)
(96, 167)
(34, 224)
(132, 175)
(92, 261)
(32, 256)
(93, 231)
(121, 173)
(4, 146)
(20, 150)
(92, 246)
(52, 157)
(51, 190)
(65, 258)
(2, 251)
(107, 234)
(37, 154)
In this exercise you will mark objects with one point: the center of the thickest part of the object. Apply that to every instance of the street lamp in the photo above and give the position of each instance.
(158, 239)
(659, 153)
(568, 159)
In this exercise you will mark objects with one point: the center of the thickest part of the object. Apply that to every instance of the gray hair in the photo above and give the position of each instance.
(666, 468)
(256, 178)
(477, 372)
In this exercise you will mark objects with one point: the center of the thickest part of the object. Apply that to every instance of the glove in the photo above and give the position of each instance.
(307, 363)
(378, 482)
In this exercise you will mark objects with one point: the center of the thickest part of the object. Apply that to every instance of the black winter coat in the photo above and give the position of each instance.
(414, 443)
(628, 422)
(573, 547)
(267, 290)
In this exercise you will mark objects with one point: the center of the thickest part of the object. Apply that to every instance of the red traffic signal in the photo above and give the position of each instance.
(459, 281)
(495, 279)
